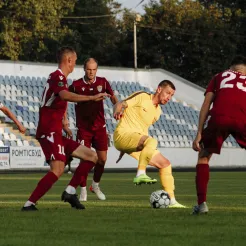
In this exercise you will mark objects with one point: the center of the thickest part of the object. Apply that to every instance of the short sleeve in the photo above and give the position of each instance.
(108, 88)
(135, 99)
(60, 84)
(211, 86)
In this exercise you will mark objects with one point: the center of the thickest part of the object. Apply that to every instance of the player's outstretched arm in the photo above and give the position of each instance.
(8, 113)
(72, 97)
(119, 108)
(202, 118)
(114, 99)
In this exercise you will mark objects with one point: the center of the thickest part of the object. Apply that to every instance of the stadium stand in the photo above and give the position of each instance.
(175, 129)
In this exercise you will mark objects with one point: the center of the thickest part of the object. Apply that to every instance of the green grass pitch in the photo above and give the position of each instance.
(125, 218)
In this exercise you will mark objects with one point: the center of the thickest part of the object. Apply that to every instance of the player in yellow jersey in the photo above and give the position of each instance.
(136, 114)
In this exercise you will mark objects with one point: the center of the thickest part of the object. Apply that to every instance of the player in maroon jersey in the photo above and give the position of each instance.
(57, 149)
(91, 124)
(227, 92)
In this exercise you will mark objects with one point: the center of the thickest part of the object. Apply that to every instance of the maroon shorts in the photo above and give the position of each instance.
(98, 139)
(57, 147)
(219, 128)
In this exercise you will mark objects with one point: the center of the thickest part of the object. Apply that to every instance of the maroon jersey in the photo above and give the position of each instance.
(52, 108)
(90, 115)
(229, 88)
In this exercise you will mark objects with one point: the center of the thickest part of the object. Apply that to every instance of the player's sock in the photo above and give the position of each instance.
(43, 186)
(28, 204)
(98, 171)
(148, 151)
(173, 201)
(86, 167)
(95, 184)
(202, 178)
(77, 177)
(140, 172)
(70, 190)
(167, 180)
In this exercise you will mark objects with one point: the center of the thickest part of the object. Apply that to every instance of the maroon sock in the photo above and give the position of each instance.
(87, 166)
(202, 178)
(43, 186)
(98, 171)
(81, 173)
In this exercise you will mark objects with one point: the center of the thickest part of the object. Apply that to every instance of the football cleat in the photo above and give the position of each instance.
(143, 179)
(98, 192)
(200, 209)
(83, 195)
(29, 208)
(72, 199)
(176, 205)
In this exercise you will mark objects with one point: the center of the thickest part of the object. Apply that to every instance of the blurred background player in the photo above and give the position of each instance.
(8, 113)
(136, 114)
(227, 92)
(57, 148)
(91, 124)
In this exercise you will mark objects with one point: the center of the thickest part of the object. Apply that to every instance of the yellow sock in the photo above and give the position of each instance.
(167, 180)
(148, 151)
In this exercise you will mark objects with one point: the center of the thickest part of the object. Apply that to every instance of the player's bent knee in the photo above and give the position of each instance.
(159, 161)
(93, 157)
(150, 146)
(57, 167)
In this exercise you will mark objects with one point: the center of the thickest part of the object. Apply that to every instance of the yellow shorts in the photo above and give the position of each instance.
(127, 141)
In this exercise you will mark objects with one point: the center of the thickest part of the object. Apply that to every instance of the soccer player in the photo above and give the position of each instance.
(91, 124)
(58, 149)
(8, 113)
(136, 114)
(227, 92)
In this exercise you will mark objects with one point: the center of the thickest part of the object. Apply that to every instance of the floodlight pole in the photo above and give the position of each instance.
(135, 44)
(137, 19)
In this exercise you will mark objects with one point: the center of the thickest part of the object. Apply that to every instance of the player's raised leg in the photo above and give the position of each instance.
(147, 147)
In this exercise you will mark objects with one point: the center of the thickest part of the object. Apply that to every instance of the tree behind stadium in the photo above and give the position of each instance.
(187, 38)
(30, 30)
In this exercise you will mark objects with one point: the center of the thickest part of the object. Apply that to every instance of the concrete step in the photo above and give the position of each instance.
(13, 129)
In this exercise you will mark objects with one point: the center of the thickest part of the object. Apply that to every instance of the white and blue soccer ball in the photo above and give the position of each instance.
(159, 199)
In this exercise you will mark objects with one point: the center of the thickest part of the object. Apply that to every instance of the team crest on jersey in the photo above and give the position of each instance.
(61, 77)
(83, 88)
(60, 84)
(99, 88)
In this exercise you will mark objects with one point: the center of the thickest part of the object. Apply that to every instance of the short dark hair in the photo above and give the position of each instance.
(63, 51)
(165, 83)
(88, 60)
(238, 60)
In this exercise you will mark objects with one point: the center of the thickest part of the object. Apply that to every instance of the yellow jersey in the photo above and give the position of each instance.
(140, 114)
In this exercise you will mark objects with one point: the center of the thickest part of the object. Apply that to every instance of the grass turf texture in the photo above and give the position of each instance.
(125, 218)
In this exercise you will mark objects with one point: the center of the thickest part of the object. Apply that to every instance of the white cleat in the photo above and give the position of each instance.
(200, 209)
(83, 194)
(98, 192)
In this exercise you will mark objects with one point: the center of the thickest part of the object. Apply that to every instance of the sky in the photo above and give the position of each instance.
(132, 4)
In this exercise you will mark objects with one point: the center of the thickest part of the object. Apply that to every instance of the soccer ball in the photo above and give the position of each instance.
(159, 199)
